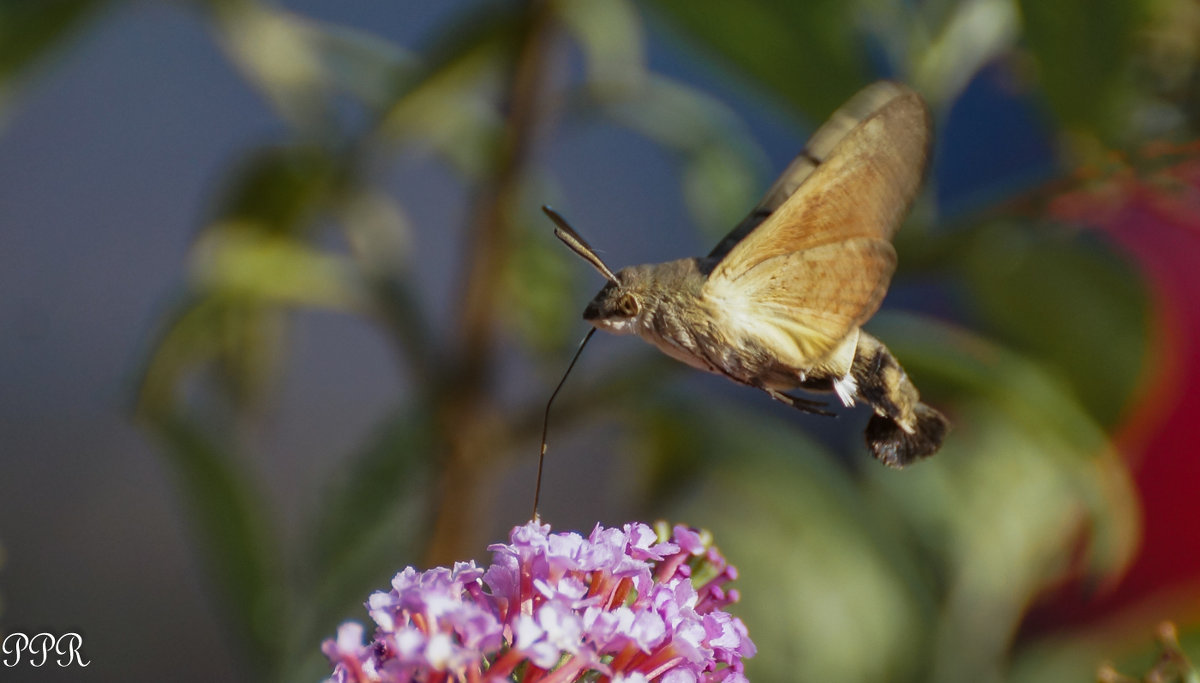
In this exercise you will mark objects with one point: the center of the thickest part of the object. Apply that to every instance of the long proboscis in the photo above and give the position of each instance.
(567, 234)
(537, 489)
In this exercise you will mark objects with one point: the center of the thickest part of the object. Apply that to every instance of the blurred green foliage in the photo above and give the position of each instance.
(848, 572)
(29, 34)
(1083, 51)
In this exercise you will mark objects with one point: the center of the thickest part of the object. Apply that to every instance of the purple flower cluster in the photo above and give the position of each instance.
(622, 606)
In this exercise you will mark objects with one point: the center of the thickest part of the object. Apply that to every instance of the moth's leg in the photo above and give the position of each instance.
(802, 404)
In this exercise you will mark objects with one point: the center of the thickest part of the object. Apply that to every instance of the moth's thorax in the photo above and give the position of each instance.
(678, 315)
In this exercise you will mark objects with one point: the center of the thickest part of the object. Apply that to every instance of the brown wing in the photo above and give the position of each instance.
(864, 103)
(819, 265)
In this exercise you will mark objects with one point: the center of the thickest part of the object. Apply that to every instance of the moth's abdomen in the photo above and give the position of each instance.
(895, 446)
(903, 429)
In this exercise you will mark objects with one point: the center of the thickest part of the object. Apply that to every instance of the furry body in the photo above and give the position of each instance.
(779, 303)
(675, 314)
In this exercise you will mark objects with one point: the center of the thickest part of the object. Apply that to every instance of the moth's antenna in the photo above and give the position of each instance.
(537, 490)
(567, 234)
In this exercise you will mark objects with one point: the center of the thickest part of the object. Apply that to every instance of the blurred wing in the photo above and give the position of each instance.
(819, 264)
(864, 103)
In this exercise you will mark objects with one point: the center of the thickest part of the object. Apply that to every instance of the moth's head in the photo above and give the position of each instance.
(617, 306)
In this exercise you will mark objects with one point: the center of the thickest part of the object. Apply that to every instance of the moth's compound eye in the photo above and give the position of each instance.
(627, 305)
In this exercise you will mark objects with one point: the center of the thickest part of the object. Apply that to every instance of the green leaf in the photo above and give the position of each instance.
(234, 261)
(806, 52)
(1083, 50)
(1072, 302)
(229, 515)
(247, 269)
(31, 30)
(610, 34)
(280, 189)
(273, 48)
(975, 33)
(239, 340)
(300, 65)
(721, 161)
(448, 104)
(365, 66)
(233, 321)
(448, 111)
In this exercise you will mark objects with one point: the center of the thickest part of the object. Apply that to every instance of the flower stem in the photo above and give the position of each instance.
(467, 415)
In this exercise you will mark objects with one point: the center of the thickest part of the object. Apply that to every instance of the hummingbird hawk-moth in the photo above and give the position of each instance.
(779, 302)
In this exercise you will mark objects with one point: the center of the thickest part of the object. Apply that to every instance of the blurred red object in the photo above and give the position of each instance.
(1155, 216)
